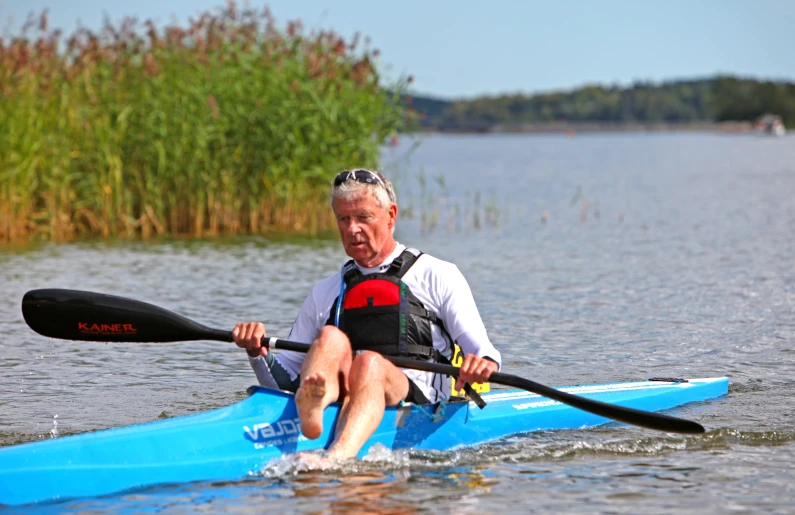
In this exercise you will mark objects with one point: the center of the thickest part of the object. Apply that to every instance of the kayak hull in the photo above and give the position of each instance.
(239, 440)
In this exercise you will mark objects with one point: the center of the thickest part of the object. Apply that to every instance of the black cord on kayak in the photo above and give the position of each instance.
(474, 395)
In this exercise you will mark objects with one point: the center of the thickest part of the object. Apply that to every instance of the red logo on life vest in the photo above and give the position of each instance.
(106, 329)
(372, 293)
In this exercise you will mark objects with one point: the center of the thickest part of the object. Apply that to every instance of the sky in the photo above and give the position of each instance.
(467, 48)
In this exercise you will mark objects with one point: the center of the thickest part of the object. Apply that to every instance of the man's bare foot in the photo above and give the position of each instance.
(336, 454)
(309, 401)
(311, 460)
(309, 456)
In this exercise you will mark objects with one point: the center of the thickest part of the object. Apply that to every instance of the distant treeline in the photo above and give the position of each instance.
(711, 100)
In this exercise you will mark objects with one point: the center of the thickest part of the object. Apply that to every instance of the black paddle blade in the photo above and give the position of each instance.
(88, 316)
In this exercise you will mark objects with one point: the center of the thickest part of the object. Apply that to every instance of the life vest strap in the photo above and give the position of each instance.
(426, 352)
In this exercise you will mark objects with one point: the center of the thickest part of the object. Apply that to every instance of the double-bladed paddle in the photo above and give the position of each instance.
(88, 316)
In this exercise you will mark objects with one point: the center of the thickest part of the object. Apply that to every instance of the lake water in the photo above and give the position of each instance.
(594, 258)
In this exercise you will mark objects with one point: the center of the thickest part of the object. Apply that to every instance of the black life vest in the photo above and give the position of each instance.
(379, 312)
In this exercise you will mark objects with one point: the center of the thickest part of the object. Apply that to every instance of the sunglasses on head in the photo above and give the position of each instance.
(360, 175)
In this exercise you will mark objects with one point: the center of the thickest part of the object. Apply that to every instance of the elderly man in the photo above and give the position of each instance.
(387, 300)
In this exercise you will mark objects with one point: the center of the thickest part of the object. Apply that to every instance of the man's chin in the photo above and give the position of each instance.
(358, 253)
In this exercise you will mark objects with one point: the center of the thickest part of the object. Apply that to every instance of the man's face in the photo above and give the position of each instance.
(365, 229)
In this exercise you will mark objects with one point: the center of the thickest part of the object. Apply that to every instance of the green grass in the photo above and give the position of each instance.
(227, 126)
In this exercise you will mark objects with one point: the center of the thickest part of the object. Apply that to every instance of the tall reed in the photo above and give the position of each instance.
(227, 126)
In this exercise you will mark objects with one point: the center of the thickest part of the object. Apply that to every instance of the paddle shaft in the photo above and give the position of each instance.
(631, 416)
(88, 316)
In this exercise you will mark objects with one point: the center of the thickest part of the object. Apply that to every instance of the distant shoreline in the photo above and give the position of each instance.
(592, 127)
(684, 105)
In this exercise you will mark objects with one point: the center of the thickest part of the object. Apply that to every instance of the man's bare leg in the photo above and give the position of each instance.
(323, 376)
(374, 383)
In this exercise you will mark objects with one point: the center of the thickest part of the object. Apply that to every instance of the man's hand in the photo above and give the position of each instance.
(249, 335)
(475, 370)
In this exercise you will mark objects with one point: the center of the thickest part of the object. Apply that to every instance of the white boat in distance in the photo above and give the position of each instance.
(771, 125)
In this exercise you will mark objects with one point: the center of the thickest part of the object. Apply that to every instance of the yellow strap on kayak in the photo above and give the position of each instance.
(458, 358)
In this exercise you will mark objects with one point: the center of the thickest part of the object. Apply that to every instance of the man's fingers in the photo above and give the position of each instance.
(237, 335)
(464, 373)
(473, 370)
(482, 370)
(249, 334)
(250, 328)
(469, 367)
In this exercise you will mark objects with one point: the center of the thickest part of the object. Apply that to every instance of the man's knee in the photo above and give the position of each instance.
(368, 365)
(332, 334)
(371, 368)
(331, 337)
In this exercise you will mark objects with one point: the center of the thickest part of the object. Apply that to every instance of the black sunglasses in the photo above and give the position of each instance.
(360, 175)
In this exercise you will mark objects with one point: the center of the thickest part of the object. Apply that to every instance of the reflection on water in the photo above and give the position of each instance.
(687, 271)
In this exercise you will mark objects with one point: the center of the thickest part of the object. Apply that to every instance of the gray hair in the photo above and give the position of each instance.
(384, 193)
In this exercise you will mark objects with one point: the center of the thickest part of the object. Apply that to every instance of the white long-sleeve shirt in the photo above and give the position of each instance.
(441, 288)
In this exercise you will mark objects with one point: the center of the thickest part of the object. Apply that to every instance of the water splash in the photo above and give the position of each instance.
(378, 458)
(54, 430)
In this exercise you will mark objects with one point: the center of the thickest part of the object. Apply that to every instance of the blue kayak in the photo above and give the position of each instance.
(239, 440)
